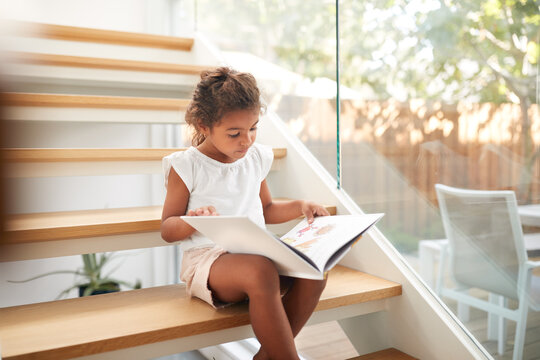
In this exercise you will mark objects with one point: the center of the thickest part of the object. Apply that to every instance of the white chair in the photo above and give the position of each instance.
(486, 251)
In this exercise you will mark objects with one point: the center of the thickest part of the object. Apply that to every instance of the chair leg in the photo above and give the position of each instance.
(521, 325)
(493, 323)
(502, 332)
(499, 323)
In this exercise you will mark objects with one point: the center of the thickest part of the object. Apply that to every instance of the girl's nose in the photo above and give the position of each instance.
(247, 139)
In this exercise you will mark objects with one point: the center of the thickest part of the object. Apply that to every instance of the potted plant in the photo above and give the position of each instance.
(90, 279)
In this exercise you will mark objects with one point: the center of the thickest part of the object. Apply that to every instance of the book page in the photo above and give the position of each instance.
(238, 234)
(321, 239)
(307, 251)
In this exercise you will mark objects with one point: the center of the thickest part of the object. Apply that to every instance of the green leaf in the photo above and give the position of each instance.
(66, 291)
(533, 52)
(88, 291)
(492, 8)
(76, 272)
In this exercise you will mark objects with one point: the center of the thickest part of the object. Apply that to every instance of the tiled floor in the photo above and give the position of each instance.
(477, 325)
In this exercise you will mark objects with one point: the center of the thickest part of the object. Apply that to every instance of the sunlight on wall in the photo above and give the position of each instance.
(123, 15)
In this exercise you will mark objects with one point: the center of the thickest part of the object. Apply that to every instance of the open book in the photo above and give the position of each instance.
(306, 251)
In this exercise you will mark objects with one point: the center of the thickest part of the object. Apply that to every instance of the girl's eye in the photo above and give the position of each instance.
(234, 135)
(253, 129)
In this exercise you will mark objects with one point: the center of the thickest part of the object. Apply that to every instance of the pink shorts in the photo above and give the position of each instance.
(196, 264)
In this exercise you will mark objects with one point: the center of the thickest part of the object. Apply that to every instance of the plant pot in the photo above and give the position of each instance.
(107, 288)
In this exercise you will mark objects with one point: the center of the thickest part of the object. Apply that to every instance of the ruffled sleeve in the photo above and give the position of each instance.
(266, 157)
(182, 164)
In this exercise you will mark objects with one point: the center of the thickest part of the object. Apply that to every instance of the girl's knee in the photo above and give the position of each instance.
(262, 276)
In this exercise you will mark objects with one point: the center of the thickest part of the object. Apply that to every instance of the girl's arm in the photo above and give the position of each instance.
(282, 211)
(172, 227)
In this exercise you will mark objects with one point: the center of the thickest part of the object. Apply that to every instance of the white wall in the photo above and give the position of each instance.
(152, 266)
(124, 15)
(144, 16)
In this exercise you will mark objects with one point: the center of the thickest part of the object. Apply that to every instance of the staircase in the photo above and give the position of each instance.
(160, 318)
(59, 83)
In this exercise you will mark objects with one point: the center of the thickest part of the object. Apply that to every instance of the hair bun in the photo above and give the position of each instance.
(217, 73)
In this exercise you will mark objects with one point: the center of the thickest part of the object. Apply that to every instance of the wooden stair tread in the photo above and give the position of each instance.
(74, 33)
(386, 354)
(81, 154)
(102, 63)
(38, 227)
(84, 326)
(92, 101)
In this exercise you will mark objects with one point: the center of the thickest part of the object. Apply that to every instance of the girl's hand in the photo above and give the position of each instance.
(203, 211)
(310, 210)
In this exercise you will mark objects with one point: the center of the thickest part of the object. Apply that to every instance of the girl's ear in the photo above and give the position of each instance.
(203, 129)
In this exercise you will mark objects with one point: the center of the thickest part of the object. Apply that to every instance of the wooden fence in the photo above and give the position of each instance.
(394, 153)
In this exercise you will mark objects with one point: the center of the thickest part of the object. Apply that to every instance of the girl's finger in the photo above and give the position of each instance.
(324, 212)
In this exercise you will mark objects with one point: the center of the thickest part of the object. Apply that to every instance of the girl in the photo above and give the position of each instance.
(225, 174)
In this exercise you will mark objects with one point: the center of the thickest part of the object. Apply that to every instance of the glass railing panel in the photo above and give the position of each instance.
(290, 48)
(448, 94)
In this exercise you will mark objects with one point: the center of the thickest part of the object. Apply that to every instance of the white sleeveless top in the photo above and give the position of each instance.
(232, 188)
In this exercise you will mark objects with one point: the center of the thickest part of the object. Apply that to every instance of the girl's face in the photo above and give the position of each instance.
(230, 139)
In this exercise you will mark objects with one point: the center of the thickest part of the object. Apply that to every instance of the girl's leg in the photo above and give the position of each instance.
(235, 276)
(299, 303)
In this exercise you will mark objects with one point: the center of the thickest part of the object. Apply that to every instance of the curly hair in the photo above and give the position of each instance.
(220, 91)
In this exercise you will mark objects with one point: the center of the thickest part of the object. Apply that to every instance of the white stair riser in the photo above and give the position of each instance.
(49, 249)
(68, 75)
(38, 113)
(92, 49)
